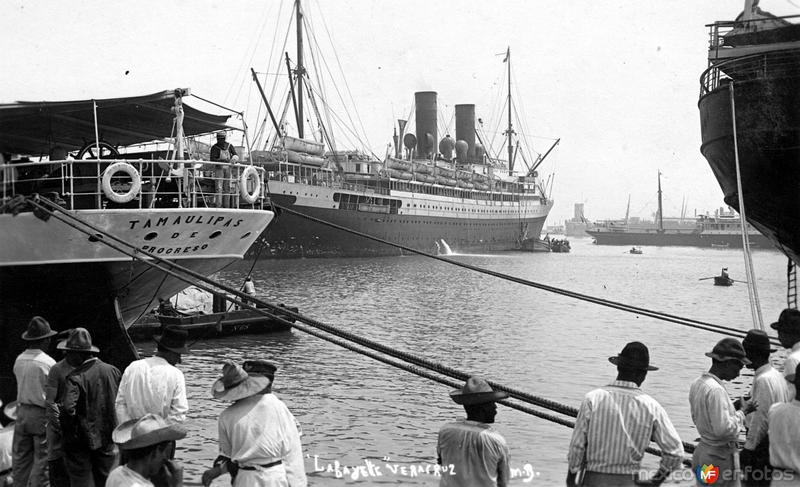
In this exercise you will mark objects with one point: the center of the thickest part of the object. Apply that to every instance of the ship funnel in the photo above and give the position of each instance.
(461, 150)
(465, 130)
(446, 146)
(426, 123)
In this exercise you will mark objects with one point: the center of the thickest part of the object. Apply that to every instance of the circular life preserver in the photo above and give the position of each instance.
(250, 172)
(136, 182)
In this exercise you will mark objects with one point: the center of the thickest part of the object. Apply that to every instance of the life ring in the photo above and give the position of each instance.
(250, 172)
(136, 182)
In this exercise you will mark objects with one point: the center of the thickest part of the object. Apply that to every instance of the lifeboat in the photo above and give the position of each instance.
(423, 168)
(397, 164)
(310, 147)
(406, 176)
(301, 158)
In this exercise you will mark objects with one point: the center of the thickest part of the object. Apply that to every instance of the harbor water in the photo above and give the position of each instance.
(381, 422)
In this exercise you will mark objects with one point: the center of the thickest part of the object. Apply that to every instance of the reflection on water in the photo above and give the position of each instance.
(356, 411)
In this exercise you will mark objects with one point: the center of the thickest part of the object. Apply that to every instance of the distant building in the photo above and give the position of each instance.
(576, 227)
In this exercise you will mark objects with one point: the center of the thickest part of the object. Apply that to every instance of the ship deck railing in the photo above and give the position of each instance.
(722, 70)
(78, 184)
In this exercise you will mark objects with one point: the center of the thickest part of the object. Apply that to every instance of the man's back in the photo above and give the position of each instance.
(614, 427)
(476, 451)
(31, 369)
(152, 385)
(89, 403)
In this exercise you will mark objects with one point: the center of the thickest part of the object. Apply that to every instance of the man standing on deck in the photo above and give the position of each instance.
(769, 387)
(788, 326)
(87, 416)
(30, 430)
(715, 416)
(153, 384)
(615, 425)
(55, 389)
(479, 455)
(255, 432)
(223, 153)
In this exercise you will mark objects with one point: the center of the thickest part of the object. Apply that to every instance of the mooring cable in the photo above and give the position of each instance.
(725, 330)
(516, 394)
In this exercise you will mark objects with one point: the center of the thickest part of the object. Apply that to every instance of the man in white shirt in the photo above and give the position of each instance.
(788, 326)
(784, 431)
(769, 387)
(154, 385)
(615, 425)
(478, 454)
(30, 429)
(715, 417)
(256, 433)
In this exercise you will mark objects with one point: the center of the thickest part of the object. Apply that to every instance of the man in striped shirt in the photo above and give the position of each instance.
(715, 416)
(615, 425)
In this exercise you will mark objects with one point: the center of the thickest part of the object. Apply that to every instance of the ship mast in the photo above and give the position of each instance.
(510, 130)
(300, 70)
(660, 209)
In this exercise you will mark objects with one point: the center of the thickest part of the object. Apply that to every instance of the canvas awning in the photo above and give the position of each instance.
(33, 128)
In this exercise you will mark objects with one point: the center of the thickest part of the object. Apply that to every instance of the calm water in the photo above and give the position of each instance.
(354, 410)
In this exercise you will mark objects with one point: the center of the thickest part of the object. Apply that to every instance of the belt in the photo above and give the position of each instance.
(257, 467)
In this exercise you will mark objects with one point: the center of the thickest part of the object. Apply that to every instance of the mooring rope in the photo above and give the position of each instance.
(314, 323)
(725, 330)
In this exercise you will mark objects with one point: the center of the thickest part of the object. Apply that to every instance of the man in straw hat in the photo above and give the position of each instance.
(615, 425)
(30, 430)
(478, 453)
(154, 384)
(254, 432)
(88, 417)
(769, 387)
(784, 431)
(788, 326)
(146, 442)
(715, 416)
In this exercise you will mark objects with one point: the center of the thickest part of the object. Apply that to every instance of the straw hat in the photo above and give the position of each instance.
(148, 430)
(173, 339)
(634, 355)
(237, 384)
(260, 367)
(79, 340)
(476, 391)
(38, 329)
(729, 349)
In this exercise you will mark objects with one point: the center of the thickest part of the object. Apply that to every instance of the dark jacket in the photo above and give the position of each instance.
(88, 417)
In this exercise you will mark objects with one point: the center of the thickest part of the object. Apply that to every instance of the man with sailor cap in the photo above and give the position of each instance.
(30, 430)
(788, 326)
(615, 425)
(478, 454)
(256, 433)
(769, 387)
(223, 153)
(717, 419)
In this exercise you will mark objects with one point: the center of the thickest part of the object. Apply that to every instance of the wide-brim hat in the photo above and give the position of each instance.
(148, 430)
(476, 391)
(789, 318)
(79, 340)
(237, 384)
(38, 329)
(757, 341)
(729, 349)
(173, 339)
(10, 410)
(260, 367)
(634, 355)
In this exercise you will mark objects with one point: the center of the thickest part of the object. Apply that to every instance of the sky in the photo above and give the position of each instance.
(617, 81)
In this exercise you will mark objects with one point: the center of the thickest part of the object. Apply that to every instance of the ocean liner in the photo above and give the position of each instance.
(439, 191)
(750, 118)
(84, 157)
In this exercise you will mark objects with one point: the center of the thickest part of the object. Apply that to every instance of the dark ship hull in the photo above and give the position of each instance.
(674, 239)
(765, 80)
